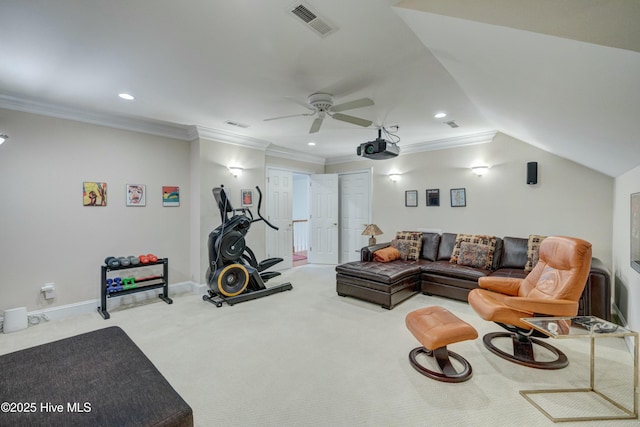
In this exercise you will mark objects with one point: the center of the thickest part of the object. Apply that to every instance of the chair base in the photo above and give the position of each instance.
(523, 351)
(448, 373)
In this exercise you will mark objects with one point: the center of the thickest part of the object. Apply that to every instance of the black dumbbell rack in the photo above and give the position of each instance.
(154, 282)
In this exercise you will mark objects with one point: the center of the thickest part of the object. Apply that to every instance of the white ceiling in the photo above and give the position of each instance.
(563, 76)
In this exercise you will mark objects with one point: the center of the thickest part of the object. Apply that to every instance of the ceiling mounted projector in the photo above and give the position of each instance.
(378, 149)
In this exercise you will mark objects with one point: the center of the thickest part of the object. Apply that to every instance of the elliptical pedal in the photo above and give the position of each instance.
(266, 275)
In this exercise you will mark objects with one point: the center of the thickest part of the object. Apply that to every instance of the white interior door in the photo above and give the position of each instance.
(279, 208)
(355, 213)
(323, 221)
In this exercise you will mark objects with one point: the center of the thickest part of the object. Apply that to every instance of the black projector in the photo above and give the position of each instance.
(378, 149)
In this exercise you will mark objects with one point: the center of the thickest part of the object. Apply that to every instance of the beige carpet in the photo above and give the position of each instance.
(308, 357)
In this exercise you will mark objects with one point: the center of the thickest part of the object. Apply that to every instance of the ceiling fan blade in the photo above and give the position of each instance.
(358, 103)
(286, 117)
(315, 126)
(350, 119)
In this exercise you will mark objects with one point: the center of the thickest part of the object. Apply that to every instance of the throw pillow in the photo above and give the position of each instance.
(414, 238)
(478, 239)
(533, 249)
(473, 255)
(403, 248)
(386, 254)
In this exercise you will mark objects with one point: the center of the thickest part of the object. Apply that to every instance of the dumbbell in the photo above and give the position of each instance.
(144, 259)
(117, 283)
(128, 283)
(112, 262)
(152, 257)
(133, 260)
(124, 261)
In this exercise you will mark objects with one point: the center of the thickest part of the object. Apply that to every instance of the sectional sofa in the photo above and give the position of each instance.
(441, 270)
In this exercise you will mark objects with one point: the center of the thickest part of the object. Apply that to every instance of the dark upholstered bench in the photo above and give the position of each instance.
(100, 378)
(386, 284)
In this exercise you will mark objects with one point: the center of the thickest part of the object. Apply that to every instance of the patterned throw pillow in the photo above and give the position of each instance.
(533, 249)
(473, 255)
(402, 246)
(414, 238)
(478, 239)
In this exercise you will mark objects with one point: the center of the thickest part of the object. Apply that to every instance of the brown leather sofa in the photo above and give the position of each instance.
(390, 283)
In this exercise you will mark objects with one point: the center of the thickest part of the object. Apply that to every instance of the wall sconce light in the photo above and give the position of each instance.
(480, 170)
(395, 177)
(372, 230)
(235, 171)
(3, 138)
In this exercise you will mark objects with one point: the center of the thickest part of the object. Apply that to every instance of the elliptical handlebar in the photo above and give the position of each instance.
(259, 214)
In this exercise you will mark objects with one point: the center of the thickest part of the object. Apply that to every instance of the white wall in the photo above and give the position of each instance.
(47, 235)
(569, 199)
(627, 280)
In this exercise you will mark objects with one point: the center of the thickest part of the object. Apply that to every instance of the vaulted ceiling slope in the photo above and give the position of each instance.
(559, 75)
(562, 76)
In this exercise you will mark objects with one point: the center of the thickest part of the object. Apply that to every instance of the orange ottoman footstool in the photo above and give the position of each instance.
(435, 328)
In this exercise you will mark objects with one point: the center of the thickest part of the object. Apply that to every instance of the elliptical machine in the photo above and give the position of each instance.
(234, 275)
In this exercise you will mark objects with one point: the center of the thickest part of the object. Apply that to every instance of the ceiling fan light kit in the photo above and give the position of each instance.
(321, 105)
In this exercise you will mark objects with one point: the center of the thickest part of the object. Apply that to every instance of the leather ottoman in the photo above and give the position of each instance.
(386, 284)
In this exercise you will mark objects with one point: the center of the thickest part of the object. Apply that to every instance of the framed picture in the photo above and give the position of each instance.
(170, 195)
(136, 195)
(246, 196)
(433, 197)
(94, 193)
(635, 231)
(411, 198)
(458, 197)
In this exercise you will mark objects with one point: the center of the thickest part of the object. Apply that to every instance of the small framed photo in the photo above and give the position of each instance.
(411, 198)
(136, 195)
(94, 193)
(458, 197)
(433, 197)
(170, 195)
(246, 196)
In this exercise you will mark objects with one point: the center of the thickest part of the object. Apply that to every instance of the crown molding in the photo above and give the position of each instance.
(285, 153)
(440, 144)
(230, 138)
(169, 130)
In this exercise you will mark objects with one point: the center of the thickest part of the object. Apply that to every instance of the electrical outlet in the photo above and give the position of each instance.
(49, 290)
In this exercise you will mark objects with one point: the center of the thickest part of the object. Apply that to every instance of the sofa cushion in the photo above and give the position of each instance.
(430, 243)
(459, 272)
(386, 255)
(514, 253)
(481, 239)
(386, 273)
(415, 243)
(474, 255)
(403, 248)
(447, 242)
(533, 247)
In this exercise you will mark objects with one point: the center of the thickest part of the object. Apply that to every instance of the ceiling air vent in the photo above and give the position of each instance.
(310, 19)
(452, 124)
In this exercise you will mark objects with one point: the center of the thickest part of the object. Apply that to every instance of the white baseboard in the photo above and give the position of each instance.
(91, 306)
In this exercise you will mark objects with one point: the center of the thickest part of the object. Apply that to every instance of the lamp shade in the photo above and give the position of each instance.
(372, 230)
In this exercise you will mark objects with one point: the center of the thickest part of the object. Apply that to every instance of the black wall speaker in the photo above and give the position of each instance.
(532, 173)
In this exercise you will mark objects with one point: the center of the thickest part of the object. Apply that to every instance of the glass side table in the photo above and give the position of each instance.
(592, 328)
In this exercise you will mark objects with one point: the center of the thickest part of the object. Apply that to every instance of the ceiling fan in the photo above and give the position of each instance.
(321, 104)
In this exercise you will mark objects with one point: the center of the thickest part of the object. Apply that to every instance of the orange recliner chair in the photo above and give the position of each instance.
(552, 288)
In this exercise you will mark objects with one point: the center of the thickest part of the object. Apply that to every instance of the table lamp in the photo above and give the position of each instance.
(371, 230)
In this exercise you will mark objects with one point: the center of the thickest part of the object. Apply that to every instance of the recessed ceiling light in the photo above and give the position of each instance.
(440, 115)
(311, 143)
(126, 96)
